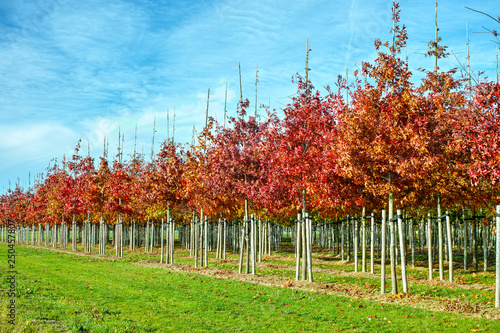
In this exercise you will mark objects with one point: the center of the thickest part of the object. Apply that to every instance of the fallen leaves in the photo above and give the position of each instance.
(397, 296)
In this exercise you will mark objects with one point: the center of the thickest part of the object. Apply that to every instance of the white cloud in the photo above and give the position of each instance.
(28, 149)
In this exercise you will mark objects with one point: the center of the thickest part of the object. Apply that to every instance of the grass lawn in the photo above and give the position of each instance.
(64, 292)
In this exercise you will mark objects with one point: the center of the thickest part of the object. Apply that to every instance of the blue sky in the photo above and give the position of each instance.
(83, 69)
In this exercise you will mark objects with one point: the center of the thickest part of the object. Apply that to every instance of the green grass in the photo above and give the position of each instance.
(442, 293)
(67, 292)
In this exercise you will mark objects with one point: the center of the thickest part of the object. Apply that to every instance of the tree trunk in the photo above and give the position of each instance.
(356, 242)
(261, 243)
(304, 247)
(119, 240)
(269, 235)
(372, 243)
(162, 242)
(73, 234)
(247, 246)
(429, 244)
(224, 240)
(363, 241)
(172, 240)
(382, 252)
(497, 261)
(450, 247)
(309, 247)
(146, 238)
(440, 240)
(206, 242)
(196, 242)
(474, 244)
(402, 247)
(342, 234)
(252, 242)
(465, 242)
(412, 242)
(392, 247)
(297, 248)
(485, 247)
(242, 246)
(33, 235)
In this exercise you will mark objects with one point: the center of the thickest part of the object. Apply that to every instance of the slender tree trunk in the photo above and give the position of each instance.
(119, 237)
(46, 234)
(172, 243)
(356, 242)
(304, 247)
(252, 240)
(440, 241)
(372, 243)
(61, 234)
(269, 235)
(196, 242)
(450, 247)
(309, 247)
(54, 235)
(485, 247)
(429, 244)
(402, 247)
(260, 240)
(412, 241)
(465, 242)
(382, 252)
(73, 234)
(206, 242)
(224, 240)
(39, 240)
(191, 236)
(101, 235)
(146, 238)
(392, 225)
(162, 243)
(342, 234)
(201, 240)
(363, 241)
(166, 233)
(218, 254)
(497, 261)
(297, 248)
(247, 246)
(474, 244)
(33, 235)
(242, 246)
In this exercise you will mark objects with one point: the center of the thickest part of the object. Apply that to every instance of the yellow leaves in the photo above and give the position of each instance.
(398, 296)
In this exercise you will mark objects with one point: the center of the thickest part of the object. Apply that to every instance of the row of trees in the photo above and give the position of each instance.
(381, 141)
(378, 141)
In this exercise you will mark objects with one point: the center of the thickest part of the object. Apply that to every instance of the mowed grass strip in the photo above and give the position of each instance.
(60, 292)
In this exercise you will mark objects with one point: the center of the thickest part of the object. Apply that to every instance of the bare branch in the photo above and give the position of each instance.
(480, 12)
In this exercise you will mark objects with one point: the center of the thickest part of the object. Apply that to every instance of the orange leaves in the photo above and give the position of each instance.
(397, 296)
(393, 127)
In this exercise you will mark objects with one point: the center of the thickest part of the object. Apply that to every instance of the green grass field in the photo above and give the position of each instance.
(65, 292)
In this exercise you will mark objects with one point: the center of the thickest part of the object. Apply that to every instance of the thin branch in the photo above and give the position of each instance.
(480, 12)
